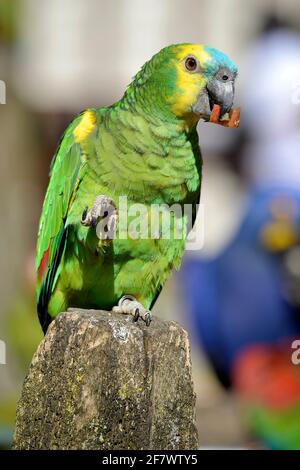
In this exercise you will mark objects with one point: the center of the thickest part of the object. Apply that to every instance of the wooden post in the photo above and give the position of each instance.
(100, 381)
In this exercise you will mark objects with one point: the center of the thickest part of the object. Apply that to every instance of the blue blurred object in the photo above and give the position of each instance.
(245, 296)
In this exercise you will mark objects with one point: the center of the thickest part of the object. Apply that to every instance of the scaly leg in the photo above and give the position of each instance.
(103, 216)
(130, 306)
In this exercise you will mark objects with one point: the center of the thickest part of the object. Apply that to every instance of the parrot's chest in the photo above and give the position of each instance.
(145, 251)
(154, 207)
(147, 236)
(154, 214)
(137, 261)
(148, 243)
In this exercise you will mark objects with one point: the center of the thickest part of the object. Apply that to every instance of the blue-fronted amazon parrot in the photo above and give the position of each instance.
(145, 148)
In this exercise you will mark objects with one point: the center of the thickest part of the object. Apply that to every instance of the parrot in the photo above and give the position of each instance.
(143, 150)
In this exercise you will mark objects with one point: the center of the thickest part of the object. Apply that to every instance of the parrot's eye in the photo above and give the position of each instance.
(191, 64)
(225, 78)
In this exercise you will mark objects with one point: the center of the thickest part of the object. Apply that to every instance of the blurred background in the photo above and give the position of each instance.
(239, 296)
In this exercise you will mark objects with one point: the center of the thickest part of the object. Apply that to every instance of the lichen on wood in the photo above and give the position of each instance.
(100, 381)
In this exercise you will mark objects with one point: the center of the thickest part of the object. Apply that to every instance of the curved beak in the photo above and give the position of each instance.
(221, 93)
(217, 92)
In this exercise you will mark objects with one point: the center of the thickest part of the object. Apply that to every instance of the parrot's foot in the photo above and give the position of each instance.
(130, 306)
(103, 215)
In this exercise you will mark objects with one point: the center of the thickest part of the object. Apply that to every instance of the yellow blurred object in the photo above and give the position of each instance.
(279, 235)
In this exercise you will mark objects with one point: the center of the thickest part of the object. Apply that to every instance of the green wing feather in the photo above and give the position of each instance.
(63, 184)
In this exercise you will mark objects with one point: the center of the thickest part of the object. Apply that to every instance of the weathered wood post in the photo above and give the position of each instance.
(100, 381)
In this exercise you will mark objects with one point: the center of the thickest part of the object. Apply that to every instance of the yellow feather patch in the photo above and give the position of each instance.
(188, 84)
(198, 50)
(85, 127)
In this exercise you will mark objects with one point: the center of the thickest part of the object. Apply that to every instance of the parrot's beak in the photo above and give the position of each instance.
(216, 92)
(222, 94)
(215, 102)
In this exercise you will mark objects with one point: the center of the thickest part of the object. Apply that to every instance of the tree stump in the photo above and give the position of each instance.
(100, 381)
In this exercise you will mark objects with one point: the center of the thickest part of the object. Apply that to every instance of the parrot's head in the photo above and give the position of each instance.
(189, 79)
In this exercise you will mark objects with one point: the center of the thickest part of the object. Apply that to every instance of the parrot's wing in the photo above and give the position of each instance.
(65, 177)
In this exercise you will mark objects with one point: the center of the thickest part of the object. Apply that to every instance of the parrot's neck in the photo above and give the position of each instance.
(147, 102)
(159, 158)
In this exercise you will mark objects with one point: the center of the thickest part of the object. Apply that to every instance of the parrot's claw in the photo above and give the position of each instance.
(130, 306)
(103, 216)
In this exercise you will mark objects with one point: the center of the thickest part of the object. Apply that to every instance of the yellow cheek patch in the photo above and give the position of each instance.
(188, 84)
(85, 127)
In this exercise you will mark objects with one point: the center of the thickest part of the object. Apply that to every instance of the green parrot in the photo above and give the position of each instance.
(142, 150)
